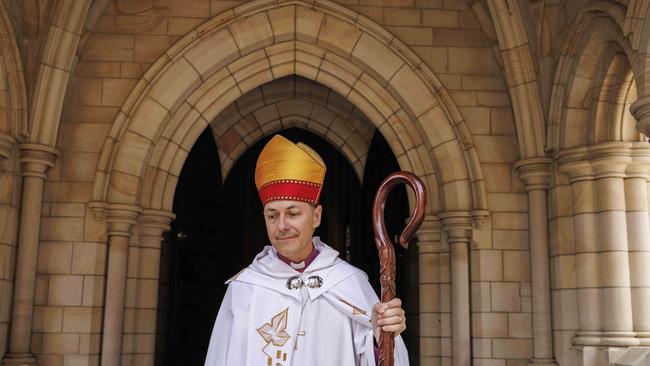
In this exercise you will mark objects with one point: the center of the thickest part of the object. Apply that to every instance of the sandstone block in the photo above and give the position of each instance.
(505, 297)
(402, 16)
(105, 47)
(490, 324)
(60, 343)
(55, 258)
(65, 290)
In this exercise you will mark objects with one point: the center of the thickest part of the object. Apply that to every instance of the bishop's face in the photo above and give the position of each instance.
(290, 226)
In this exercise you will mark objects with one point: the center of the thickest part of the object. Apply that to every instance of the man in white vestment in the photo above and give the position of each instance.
(298, 303)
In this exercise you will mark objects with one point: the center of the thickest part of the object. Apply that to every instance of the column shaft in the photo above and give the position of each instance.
(638, 228)
(21, 324)
(538, 226)
(151, 226)
(458, 226)
(536, 173)
(36, 160)
(114, 306)
(586, 242)
(460, 315)
(120, 220)
(429, 236)
(615, 270)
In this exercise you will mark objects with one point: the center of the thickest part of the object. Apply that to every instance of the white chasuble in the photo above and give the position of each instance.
(324, 320)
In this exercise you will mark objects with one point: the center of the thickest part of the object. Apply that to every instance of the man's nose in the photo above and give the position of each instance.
(283, 223)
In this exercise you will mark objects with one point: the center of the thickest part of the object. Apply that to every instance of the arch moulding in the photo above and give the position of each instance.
(573, 107)
(264, 40)
(13, 125)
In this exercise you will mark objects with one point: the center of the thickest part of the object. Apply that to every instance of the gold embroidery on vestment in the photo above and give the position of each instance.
(274, 332)
(355, 310)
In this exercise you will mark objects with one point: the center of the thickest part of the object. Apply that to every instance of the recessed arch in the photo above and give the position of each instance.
(212, 67)
(594, 56)
(292, 102)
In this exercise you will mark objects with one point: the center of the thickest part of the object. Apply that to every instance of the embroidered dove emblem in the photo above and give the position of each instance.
(274, 331)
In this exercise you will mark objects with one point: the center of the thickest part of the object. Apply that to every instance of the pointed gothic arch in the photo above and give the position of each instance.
(593, 74)
(292, 102)
(264, 40)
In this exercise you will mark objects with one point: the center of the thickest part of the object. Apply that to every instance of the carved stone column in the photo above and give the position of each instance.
(120, 219)
(576, 165)
(638, 234)
(151, 226)
(36, 160)
(536, 174)
(601, 232)
(429, 236)
(610, 162)
(458, 226)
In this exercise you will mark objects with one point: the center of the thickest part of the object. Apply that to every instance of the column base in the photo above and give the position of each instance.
(19, 359)
(606, 339)
(644, 338)
(542, 362)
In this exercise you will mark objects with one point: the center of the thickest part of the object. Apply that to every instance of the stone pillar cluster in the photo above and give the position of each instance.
(133, 263)
(143, 275)
(609, 186)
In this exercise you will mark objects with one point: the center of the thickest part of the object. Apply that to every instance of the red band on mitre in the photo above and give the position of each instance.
(290, 190)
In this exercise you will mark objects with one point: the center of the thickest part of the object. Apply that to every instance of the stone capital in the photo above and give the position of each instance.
(535, 172)
(120, 219)
(640, 165)
(457, 225)
(603, 160)
(575, 163)
(429, 234)
(611, 159)
(6, 145)
(479, 217)
(640, 109)
(153, 223)
(37, 159)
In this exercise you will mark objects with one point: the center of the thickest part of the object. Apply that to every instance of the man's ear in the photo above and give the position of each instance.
(318, 211)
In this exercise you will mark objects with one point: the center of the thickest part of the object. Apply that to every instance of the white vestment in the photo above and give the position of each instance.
(262, 322)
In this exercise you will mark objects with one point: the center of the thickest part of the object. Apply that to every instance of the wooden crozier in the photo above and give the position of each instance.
(386, 250)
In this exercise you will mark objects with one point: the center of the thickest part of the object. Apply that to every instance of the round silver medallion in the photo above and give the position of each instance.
(294, 283)
(314, 282)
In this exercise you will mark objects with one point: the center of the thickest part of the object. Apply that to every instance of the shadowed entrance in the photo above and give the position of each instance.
(220, 228)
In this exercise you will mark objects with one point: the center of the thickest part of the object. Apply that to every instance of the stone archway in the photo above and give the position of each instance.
(292, 102)
(209, 69)
(230, 55)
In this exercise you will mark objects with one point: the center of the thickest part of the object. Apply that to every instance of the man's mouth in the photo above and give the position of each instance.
(286, 238)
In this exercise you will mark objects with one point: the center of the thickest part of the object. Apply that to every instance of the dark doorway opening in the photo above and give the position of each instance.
(219, 229)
